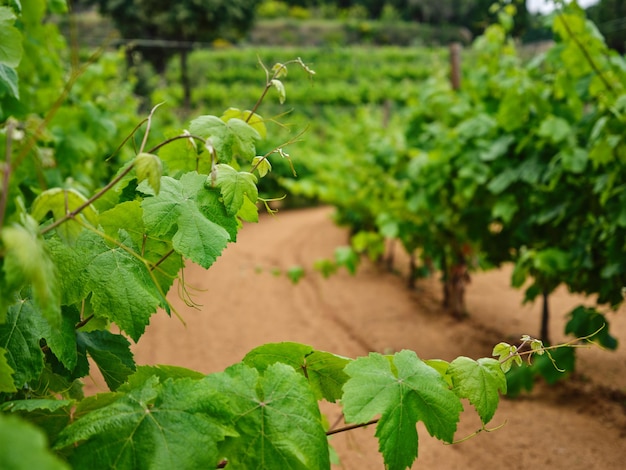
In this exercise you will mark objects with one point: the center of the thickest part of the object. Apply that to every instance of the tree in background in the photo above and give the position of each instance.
(181, 23)
(610, 16)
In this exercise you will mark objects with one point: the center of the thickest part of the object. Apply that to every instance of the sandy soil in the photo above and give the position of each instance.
(580, 424)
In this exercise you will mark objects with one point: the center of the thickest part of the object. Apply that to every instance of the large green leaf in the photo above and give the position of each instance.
(24, 447)
(157, 426)
(201, 227)
(128, 216)
(121, 285)
(48, 414)
(6, 374)
(9, 82)
(10, 39)
(62, 339)
(276, 416)
(480, 382)
(323, 370)
(403, 390)
(110, 352)
(20, 336)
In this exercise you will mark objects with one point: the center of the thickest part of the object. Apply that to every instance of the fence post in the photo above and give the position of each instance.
(455, 65)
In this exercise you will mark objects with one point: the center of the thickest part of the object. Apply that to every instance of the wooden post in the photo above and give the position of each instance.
(455, 65)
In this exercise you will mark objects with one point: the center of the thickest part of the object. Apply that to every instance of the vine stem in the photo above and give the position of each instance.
(88, 202)
(351, 427)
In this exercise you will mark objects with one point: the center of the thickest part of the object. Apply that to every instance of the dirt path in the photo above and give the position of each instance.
(578, 425)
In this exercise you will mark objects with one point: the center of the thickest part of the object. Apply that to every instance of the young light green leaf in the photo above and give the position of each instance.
(149, 167)
(231, 139)
(262, 165)
(279, 70)
(171, 425)
(248, 212)
(403, 390)
(193, 212)
(507, 355)
(60, 202)
(24, 447)
(480, 382)
(234, 186)
(6, 374)
(110, 352)
(280, 88)
(251, 118)
(276, 416)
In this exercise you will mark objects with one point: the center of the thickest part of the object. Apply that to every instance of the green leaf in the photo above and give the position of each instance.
(326, 375)
(128, 216)
(585, 321)
(9, 82)
(20, 336)
(62, 339)
(280, 88)
(10, 39)
(276, 416)
(235, 186)
(111, 353)
(6, 374)
(27, 262)
(507, 353)
(497, 148)
(262, 164)
(292, 354)
(251, 118)
(480, 382)
(24, 447)
(230, 140)
(323, 370)
(574, 160)
(122, 288)
(347, 257)
(403, 390)
(554, 129)
(248, 212)
(149, 167)
(194, 213)
(59, 202)
(48, 414)
(159, 426)
(163, 372)
(295, 273)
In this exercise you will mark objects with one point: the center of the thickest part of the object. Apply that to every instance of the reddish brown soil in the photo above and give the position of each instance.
(580, 424)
